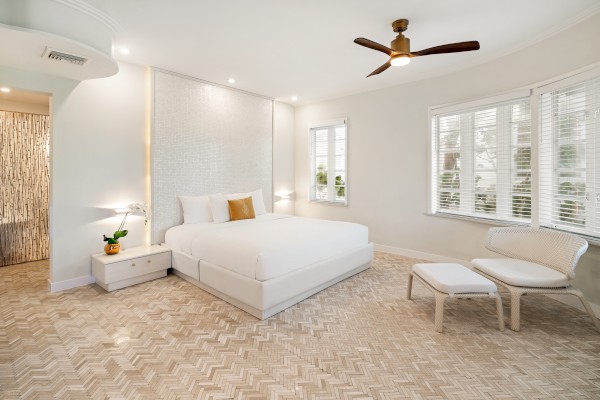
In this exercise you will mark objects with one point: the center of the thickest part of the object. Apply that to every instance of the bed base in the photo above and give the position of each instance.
(265, 299)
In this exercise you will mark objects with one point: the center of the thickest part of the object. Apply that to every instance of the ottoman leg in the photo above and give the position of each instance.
(409, 287)
(440, 298)
(500, 311)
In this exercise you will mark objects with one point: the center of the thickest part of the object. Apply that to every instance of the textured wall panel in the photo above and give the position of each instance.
(206, 139)
(24, 182)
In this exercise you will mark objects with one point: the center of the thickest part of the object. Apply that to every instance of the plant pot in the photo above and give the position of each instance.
(112, 248)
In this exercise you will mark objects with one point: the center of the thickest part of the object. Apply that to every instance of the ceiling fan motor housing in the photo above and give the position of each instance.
(401, 44)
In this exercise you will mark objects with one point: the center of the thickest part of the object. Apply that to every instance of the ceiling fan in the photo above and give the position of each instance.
(400, 53)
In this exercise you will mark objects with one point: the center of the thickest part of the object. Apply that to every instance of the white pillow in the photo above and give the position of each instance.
(258, 202)
(195, 209)
(220, 208)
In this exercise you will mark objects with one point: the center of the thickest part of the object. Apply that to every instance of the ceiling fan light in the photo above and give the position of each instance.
(400, 61)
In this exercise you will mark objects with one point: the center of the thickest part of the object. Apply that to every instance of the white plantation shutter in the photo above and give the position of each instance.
(321, 149)
(328, 162)
(340, 163)
(481, 161)
(481, 165)
(570, 156)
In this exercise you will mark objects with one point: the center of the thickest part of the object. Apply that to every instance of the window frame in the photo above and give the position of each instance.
(469, 106)
(331, 173)
(591, 180)
(538, 209)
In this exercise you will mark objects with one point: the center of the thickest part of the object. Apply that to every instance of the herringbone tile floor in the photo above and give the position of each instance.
(359, 339)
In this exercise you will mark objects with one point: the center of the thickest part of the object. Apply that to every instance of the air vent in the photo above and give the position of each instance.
(57, 55)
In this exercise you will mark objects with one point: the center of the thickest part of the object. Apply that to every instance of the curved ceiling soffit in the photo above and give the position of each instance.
(91, 11)
(72, 27)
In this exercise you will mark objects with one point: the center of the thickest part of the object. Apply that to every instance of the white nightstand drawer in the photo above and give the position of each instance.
(131, 266)
(137, 266)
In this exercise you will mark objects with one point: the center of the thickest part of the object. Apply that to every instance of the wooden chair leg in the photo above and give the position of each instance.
(589, 310)
(515, 310)
(440, 299)
(409, 287)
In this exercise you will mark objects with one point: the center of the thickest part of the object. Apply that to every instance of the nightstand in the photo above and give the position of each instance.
(130, 266)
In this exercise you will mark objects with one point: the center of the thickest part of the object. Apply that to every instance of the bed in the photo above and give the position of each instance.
(269, 263)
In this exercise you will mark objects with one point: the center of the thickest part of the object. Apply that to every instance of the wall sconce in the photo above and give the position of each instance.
(119, 212)
(133, 209)
(285, 197)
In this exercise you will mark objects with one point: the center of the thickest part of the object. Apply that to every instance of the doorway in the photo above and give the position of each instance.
(24, 176)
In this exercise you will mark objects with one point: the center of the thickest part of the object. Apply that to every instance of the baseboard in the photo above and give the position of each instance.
(565, 299)
(70, 283)
(420, 255)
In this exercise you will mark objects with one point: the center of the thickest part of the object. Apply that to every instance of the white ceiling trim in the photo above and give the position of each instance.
(94, 13)
(193, 78)
(567, 24)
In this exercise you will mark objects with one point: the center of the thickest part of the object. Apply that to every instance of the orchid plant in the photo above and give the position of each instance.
(120, 232)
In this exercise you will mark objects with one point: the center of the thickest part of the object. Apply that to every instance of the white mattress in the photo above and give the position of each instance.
(268, 246)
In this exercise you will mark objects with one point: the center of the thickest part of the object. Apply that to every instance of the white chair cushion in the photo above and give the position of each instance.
(453, 278)
(521, 273)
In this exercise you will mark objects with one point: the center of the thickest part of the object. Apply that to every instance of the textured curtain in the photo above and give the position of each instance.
(24, 183)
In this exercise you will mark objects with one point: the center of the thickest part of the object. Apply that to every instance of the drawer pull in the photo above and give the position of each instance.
(149, 261)
(133, 264)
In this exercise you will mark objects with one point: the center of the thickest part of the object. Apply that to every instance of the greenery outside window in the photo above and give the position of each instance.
(328, 162)
(483, 165)
(481, 161)
(570, 156)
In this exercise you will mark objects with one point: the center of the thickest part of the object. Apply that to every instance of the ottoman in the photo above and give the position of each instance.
(453, 280)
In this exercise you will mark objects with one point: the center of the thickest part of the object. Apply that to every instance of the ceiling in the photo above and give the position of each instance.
(305, 48)
(20, 96)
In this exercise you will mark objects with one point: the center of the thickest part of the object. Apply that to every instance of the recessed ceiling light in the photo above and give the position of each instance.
(231, 80)
(4, 89)
(124, 50)
(294, 98)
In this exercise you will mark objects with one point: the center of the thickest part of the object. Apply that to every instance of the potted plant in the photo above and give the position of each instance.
(113, 246)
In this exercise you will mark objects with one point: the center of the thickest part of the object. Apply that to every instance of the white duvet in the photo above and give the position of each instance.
(268, 246)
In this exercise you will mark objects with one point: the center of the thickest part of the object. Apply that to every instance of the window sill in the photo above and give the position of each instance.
(477, 219)
(329, 203)
(594, 241)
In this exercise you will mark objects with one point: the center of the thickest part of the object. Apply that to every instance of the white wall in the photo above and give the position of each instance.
(283, 156)
(206, 139)
(97, 161)
(388, 139)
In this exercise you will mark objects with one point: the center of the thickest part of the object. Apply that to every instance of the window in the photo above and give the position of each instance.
(482, 165)
(328, 162)
(482, 161)
(570, 157)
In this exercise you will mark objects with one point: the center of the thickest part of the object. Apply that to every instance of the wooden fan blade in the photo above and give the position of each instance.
(448, 48)
(374, 45)
(380, 69)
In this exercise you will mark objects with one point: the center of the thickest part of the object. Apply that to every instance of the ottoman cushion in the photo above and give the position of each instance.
(453, 278)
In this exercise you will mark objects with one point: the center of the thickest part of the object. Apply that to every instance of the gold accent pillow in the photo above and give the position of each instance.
(241, 209)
